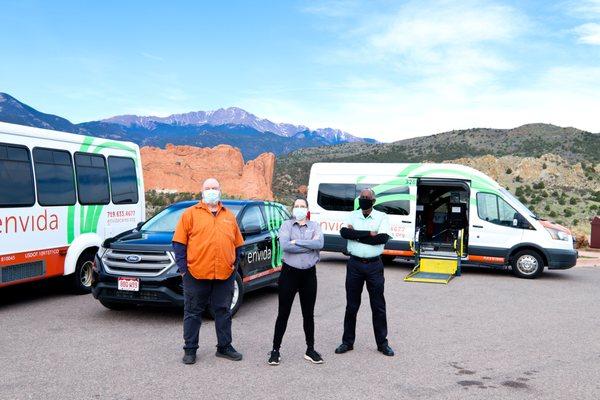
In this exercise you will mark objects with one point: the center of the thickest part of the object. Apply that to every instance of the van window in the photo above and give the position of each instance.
(54, 177)
(494, 209)
(388, 198)
(341, 196)
(16, 173)
(123, 180)
(336, 196)
(92, 178)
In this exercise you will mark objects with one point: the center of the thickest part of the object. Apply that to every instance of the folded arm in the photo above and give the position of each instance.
(316, 243)
(286, 243)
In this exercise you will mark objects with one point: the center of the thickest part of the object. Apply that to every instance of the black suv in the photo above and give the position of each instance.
(138, 267)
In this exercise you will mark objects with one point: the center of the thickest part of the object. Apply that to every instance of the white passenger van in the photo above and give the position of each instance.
(61, 195)
(428, 203)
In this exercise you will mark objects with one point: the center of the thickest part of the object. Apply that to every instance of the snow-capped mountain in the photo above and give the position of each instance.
(231, 116)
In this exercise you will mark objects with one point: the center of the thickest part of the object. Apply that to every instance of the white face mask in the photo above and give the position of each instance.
(211, 196)
(299, 213)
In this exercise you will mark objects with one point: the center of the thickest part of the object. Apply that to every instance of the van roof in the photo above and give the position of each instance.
(408, 170)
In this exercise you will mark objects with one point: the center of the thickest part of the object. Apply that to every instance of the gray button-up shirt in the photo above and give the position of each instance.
(308, 241)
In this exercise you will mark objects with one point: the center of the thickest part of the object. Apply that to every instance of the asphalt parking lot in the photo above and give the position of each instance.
(485, 335)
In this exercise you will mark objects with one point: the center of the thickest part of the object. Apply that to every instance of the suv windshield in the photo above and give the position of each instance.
(167, 219)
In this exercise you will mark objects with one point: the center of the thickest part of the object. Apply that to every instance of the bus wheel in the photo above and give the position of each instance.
(81, 280)
(236, 299)
(527, 264)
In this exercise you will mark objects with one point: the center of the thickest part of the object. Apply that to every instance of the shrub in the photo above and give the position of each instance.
(552, 214)
(544, 166)
(547, 208)
(508, 171)
(561, 201)
(573, 201)
(518, 179)
(568, 212)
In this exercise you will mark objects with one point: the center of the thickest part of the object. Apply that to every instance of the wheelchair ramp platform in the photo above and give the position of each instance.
(435, 266)
(434, 269)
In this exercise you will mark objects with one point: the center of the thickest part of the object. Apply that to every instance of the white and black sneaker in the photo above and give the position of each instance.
(312, 356)
(275, 358)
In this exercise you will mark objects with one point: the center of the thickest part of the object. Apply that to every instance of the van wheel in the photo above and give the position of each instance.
(236, 299)
(81, 280)
(527, 264)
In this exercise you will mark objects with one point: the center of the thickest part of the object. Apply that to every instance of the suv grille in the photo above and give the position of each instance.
(149, 263)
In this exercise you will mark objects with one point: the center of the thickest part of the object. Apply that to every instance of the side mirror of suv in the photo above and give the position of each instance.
(251, 230)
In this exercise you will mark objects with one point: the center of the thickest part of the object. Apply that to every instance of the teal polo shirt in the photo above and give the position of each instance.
(377, 221)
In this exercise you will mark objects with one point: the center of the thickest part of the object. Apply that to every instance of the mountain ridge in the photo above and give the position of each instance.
(233, 126)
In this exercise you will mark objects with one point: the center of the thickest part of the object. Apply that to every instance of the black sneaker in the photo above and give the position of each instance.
(343, 348)
(229, 353)
(275, 358)
(386, 350)
(312, 356)
(189, 358)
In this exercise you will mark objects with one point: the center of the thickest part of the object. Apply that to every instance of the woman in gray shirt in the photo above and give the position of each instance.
(301, 241)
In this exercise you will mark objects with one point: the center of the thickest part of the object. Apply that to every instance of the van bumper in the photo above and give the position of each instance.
(561, 259)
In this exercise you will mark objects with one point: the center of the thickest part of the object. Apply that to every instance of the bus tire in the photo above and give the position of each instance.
(114, 305)
(81, 280)
(527, 264)
(238, 296)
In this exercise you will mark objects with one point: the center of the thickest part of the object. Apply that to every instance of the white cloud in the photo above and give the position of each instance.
(588, 33)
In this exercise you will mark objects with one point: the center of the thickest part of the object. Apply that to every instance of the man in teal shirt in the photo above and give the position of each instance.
(367, 232)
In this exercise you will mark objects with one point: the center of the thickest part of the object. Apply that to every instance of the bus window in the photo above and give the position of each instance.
(16, 173)
(92, 178)
(123, 180)
(336, 196)
(54, 177)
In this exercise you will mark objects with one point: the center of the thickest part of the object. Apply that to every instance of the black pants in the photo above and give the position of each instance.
(303, 281)
(197, 295)
(357, 273)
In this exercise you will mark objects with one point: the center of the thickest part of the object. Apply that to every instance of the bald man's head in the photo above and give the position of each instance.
(211, 183)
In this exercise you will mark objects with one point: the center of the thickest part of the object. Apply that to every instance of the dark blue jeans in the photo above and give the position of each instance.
(198, 293)
(357, 274)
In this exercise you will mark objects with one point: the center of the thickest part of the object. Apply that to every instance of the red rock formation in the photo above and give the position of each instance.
(184, 168)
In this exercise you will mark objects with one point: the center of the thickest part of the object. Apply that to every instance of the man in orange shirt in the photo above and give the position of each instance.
(205, 243)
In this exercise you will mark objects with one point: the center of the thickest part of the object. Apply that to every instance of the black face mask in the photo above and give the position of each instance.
(365, 204)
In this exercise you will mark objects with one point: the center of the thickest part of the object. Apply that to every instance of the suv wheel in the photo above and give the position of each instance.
(527, 264)
(236, 298)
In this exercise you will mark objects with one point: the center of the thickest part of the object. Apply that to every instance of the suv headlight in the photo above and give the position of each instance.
(558, 235)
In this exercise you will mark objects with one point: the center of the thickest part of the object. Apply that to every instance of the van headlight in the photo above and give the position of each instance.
(558, 235)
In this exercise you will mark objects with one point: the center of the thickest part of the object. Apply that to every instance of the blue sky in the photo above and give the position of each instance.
(383, 69)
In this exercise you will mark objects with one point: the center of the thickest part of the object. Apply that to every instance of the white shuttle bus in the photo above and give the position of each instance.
(429, 203)
(61, 195)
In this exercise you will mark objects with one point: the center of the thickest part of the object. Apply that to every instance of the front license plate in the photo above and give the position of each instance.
(129, 284)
